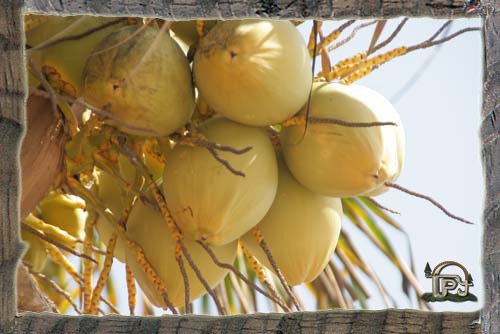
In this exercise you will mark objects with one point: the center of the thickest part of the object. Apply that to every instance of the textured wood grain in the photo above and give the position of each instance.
(490, 134)
(184, 9)
(338, 322)
(11, 131)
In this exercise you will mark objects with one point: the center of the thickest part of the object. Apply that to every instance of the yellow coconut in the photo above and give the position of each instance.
(115, 198)
(341, 161)
(147, 227)
(394, 154)
(145, 82)
(186, 30)
(68, 58)
(35, 255)
(64, 211)
(207, 200)
(255, 72)
(301, 230)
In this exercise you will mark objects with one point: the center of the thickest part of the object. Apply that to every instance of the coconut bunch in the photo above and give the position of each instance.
(189, 162)
(222, 181)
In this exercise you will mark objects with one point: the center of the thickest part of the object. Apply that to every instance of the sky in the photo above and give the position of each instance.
(441, 117)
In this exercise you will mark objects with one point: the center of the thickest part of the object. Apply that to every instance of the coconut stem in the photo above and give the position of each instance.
(195, 138)
(432, 42)
(53, 242)
(380, 206)
(132, 293)
(243, 299)
(59, 258)
(87, 265)
(429, 199)
(182, 268)
(275, 298)
(390, 38)
(301, 120)
(260, 271)
(103, 277)
(257, 233)
(220, 307)
(55, 232)
(352, 35)
(331, 37)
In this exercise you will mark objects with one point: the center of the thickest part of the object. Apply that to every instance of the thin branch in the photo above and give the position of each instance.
(241, 276)
(132, 293)
(197, 139)
(300, 120)
(54, 286)
(220, 307)
(429, 199)
(440, 30)
(376, 34)
(103, 112)
(185, 278)
(351, 36)
(244, 304)
(422, 68)
(263, 245)
(430, 43)
(44, 237)
(332, 36)
(390, 38)
(380, 206)
(343, 303)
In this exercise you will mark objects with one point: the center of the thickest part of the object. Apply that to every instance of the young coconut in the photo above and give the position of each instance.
(147, 227)
(64, 211)
(301, 230)
(114, 195)
(394, 154)
(68, 58)
(208, 201)
(145, 82)
(340, 161)
(254, 72)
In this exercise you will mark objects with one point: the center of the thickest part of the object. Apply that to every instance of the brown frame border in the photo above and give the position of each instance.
(12, 123)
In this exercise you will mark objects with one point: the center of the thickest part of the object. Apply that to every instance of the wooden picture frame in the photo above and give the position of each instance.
(12, 122)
